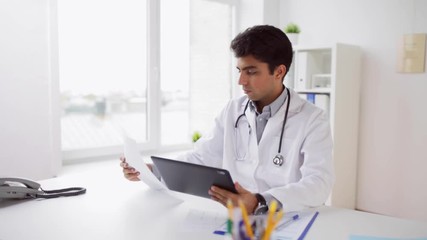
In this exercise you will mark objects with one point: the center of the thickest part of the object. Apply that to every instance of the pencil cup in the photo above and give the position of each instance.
(256, 230)
(241, 226)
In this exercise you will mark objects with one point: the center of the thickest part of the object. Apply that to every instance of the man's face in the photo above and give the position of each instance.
(257, 82)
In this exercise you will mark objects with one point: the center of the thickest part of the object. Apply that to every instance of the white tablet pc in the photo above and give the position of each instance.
(192, 178)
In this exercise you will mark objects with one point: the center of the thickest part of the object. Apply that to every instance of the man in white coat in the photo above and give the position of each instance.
(275, 144)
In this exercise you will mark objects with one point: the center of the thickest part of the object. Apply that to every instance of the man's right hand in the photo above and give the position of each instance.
(129, 172)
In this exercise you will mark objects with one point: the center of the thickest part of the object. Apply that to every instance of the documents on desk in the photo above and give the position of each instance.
(201, 220)
(135, 160)
(295, 228)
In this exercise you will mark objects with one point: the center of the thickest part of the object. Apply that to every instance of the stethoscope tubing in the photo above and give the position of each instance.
(284, 120)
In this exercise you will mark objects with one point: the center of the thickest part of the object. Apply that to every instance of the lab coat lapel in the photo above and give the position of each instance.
(296, 103)
(253, 144)
(274, 124)
(251, 119)
(272, 129)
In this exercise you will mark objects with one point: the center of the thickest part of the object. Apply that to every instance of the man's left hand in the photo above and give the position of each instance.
(221, 195)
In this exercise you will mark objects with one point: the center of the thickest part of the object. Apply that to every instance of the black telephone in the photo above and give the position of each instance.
(21, 188)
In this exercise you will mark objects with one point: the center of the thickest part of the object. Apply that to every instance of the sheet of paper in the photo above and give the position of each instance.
(135, 160)
(294, 229)
(200, 220)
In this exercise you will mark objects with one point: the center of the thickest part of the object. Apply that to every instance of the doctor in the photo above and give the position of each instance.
(275, 144)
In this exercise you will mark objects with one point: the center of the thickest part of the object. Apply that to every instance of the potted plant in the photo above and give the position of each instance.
(292, 30)
(196, 136)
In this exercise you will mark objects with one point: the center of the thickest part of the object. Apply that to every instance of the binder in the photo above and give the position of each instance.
(306, 66)
(303, 72)
(322, 101)
(311, 97)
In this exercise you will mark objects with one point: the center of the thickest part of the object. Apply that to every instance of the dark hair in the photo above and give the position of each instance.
(266, 43)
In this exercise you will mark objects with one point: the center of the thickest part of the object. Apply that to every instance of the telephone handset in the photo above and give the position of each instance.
(21, 188)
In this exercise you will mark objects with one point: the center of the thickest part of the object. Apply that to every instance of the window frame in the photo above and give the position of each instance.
(153, 103)
(153, 143)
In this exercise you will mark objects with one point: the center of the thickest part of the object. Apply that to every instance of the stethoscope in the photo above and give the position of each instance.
(278, 160)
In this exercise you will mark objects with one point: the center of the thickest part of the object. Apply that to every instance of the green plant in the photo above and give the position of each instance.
(292, 28)
(196, 136)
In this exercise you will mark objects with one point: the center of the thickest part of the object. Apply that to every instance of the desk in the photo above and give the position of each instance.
(114, 208)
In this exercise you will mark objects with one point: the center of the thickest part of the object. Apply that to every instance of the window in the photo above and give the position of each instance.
(111, 57)
(195, 65)
(103, 84)
(175, 71)
(211, 66)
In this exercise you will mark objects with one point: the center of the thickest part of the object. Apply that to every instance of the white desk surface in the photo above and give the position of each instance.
(114, 208)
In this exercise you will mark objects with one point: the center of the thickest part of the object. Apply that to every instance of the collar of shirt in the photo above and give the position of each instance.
(267, 112)
(272, 108)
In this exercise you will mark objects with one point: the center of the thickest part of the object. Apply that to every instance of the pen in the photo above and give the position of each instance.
(270, 221)
(246, 220)
(278, 217)
(276, 220)
(258, 226)
(230, 217)
(287, 222)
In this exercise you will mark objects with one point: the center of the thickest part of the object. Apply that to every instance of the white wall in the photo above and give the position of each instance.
(254, 12)
(29, 122)
(392, 154)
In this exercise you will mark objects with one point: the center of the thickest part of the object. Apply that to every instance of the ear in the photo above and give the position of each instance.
(280, 72)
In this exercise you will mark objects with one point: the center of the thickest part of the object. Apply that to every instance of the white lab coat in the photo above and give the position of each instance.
(307, 175)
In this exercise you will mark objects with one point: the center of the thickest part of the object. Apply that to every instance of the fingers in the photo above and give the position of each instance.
(217, 200)
(150, 166)
(123, 164)
(129, 172)
(240, 189)
(220, 195)
(132, 177)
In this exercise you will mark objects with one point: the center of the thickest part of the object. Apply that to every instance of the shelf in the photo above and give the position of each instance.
(312, 48)
(329, 77)
(315, 90)
(322, 75)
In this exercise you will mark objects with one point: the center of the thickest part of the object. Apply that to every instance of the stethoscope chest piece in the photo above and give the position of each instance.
(278, 160)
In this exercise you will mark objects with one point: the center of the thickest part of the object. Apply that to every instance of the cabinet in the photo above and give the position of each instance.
(329, 76)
